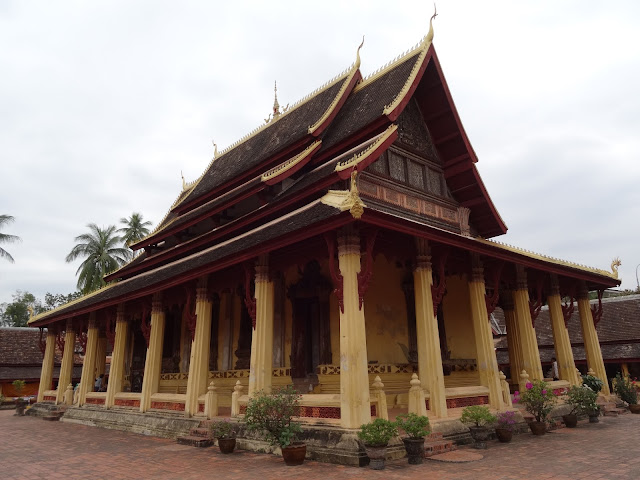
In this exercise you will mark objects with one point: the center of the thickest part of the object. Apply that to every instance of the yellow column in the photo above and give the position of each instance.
(87, 380)
(561, 341)
(153, 362)
(116, 372)
(513, 337)
(427, 337)
(66, 369)
(528, 341)
(199, 360)
(355, 407)
(590, 337)
(261, 364)
(486, 353)
(46, 375)
(101, 354)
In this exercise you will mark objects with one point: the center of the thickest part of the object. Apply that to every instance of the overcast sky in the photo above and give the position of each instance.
(103, 104)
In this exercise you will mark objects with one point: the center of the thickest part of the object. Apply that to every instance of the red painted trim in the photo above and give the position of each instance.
(402, 225)
(163, 234)
(294, 169)
(370, 157)
(393, 116)
(281, 242)
(357, 76)
(244, 178)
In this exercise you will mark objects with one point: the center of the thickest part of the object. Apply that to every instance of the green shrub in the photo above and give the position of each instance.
(272, 415)
(582, 400)
(378, 433)
(223, 429)
(594, 383)
(625, 389)
(478, 415)
(415, 426)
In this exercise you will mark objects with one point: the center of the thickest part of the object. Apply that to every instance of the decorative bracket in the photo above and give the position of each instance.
(567, 311)
(60, 340)
(249, 300)
(596, 310)
(82, 340)
(145, 326)
(42, 343)
(338, 281)
(110, 330)
(491, 301)
(364, 275)
(189, 307)
(437, 292)
(536, 305)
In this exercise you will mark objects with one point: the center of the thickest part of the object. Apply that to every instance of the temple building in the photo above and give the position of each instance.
(349, 237)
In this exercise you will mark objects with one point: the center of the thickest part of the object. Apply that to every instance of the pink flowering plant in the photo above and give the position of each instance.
(506, 420)
(538, 399)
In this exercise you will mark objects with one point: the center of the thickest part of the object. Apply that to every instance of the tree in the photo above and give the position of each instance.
(16, 313)
(134, 230)
(103, 254)
(52, 301)
(6, 238)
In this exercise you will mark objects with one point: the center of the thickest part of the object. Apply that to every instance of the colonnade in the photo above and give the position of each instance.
(354, 383)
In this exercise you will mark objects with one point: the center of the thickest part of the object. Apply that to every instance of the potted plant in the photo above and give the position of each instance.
(626, 390)
(480, 418)
(272, 414)
(18, 386)
(505, 424)
(224, 431)
(416, 427)
(594, 383)
(376, 436)
(538, 400)
(582, 401)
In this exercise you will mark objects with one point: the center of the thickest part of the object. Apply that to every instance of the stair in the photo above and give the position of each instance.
(200, 436)
(55, 413)
(612, 410)
(435, 444)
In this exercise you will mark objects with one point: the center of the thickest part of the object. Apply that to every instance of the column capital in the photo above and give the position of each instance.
(69, 325)
(477, 270)
(93, 323)
(348, 243)
(423, 258)
(555, 285)
(583, 291)
(156, 303)
(262, 268)
(521, 277)
(120, 313)
(506, 300)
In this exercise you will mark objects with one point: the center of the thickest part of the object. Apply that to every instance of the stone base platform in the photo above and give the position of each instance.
(46, 410)
(166, 425)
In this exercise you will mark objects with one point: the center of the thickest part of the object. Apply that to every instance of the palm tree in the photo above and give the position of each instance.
(103, 253)
(135, 229)
(6, 238)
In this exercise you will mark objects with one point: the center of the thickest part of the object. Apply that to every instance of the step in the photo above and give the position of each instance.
(555, 425)
(435, 436)
(614, 412)
(195, 441)
(200, 432)
(51, 418)
(206, 423)
(438, 447)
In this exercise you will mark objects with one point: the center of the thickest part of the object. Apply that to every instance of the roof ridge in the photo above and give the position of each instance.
(542, 256)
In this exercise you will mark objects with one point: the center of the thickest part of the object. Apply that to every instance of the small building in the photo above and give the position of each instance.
(349, 237)
(21, 353)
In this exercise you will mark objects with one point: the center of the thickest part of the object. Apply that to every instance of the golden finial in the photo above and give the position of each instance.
(184, 184)
(429, 37)
(357, 64)
(276, 105)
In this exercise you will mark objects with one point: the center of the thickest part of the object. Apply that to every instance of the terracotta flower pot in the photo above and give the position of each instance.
(294, 454)
(376, 456)
(570, 420)
(538, 428)
(634, 408)
(415, 450)
(227, 445)
(504, 435)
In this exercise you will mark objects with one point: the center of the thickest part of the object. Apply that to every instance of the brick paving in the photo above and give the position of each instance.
(34, 449)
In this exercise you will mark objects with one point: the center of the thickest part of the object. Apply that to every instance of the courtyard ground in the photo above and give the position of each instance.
(31, 448)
